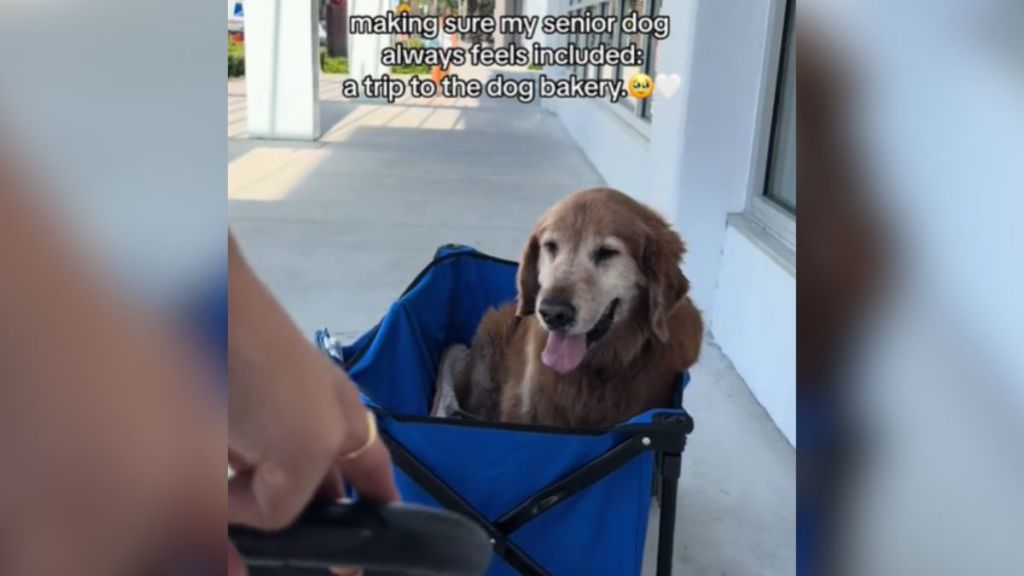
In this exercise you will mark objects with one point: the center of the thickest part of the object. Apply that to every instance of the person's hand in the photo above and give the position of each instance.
(293, 418)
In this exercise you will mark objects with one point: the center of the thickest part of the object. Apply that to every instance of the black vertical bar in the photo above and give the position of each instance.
(670, 467)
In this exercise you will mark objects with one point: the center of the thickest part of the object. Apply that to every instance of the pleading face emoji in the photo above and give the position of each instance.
(641, 86)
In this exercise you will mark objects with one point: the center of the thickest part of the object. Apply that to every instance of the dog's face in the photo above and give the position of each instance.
(588, 280)
(595, 260)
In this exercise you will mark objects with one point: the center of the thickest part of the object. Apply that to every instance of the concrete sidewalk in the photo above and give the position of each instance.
(339, 227)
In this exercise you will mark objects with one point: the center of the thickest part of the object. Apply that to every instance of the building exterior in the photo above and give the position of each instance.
(717, 157)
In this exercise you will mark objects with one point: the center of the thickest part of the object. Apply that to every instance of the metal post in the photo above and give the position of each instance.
(337, 29)
(671, 464)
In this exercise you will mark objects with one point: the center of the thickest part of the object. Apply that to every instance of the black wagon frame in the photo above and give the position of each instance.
(665, 436)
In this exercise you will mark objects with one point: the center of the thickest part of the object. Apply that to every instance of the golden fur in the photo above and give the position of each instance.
(655, 335)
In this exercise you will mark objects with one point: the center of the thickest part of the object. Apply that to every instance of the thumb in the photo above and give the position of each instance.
(268, 497)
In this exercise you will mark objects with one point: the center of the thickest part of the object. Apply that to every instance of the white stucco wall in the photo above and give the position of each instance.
(669, 125)
(749, 296)
(715, 167)
(754, 321)
(618, 151)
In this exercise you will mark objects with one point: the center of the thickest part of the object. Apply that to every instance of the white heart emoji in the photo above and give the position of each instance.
(668, 84)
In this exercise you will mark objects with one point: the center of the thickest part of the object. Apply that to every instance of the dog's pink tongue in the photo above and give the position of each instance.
(564, 352)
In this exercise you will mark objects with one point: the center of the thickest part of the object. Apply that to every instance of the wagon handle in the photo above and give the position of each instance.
(396, 540)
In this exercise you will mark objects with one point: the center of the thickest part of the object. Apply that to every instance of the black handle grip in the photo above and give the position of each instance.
(398, 540)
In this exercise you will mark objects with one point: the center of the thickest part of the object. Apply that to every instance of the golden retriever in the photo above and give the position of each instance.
(602, 327)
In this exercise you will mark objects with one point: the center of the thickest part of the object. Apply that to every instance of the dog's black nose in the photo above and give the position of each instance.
(557, 314)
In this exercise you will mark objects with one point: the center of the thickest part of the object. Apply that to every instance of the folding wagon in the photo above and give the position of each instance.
(554, 501)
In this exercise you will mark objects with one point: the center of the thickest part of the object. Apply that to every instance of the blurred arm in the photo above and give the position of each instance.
(111, 455)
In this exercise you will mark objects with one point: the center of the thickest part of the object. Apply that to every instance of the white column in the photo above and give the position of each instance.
(282, 66)
(364, 49)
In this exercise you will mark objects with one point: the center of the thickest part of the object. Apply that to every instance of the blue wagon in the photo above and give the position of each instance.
(555, 501)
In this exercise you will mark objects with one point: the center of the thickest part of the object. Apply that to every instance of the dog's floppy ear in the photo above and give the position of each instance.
(666, 285)
(528, 277)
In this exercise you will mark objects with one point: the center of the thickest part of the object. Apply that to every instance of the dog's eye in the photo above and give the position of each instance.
(551, 247)
(604, 253)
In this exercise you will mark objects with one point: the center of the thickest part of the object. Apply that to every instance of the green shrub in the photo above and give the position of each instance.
(236, 64)
(331, 65)
(236, 58)
(421, 69)
(413, 43)
(236, 61)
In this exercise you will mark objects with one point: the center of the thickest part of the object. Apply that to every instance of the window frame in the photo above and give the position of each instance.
(764, 212)
(605, 6)
(639, 119)
(647, 112)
